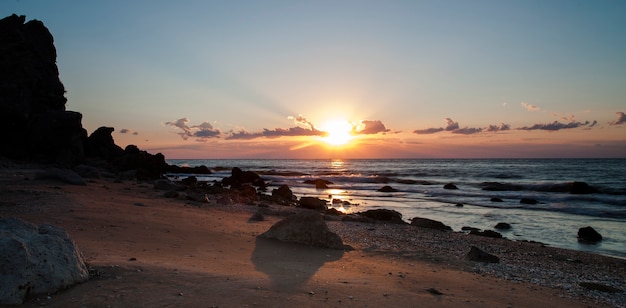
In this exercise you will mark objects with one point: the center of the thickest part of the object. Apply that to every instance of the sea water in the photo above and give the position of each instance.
(419, 183)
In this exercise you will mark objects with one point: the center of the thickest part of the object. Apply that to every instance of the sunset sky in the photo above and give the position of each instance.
(345, 79)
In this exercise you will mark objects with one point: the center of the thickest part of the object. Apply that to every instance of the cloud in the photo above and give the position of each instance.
(428, 131)
(621, 119)
(467, 131)
(530, 107)
(372, 127)
(451, 125)
(495, 128)
(302, 120)
(202, 131)
(128, 131)
(554, 126)
(275, 133)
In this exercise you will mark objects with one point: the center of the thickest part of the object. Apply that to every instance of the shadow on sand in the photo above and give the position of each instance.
(289, 265)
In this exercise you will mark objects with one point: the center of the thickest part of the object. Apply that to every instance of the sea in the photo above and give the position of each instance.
(419, 192)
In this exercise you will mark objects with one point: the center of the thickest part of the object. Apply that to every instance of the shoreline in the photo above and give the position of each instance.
(179, 246)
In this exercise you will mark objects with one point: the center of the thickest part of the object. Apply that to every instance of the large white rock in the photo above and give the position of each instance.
(36, 260)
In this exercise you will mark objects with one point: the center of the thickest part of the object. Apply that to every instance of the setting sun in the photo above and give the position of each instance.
(339, 132)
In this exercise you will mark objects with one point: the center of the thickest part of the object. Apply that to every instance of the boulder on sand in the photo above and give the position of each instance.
(429, 223)
(36, 260)
(306, 227)
(477, 255)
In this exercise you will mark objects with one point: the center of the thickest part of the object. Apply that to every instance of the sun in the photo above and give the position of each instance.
(339, 132)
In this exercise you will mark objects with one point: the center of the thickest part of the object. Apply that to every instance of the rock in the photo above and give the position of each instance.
(578, 188)
(64, 175)
(334, 212)
(189, 170)
(308, 228)
(450, 186)
(165, 184)
(496, 200)
(257, 216)
(100, 144)
(503, 226)
(477, 255)
(36, 260)
(528, 201)
(486, 233)
(589, 235)
(319, 183)
(313, 203)
(283, 192)
(459, 205)
(429, 223)
(466, 228)
(88, 172)
(148, 166)
(189, 181)
(34, 124)
(387, 188)
(384, 215)
(239, 177)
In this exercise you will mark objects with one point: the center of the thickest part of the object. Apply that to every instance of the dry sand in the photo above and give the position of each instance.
(145, 250)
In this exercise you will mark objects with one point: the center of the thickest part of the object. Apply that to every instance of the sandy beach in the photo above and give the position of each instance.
(146, 250)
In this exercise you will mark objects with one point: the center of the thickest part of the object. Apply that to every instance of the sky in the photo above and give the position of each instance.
(345, 79)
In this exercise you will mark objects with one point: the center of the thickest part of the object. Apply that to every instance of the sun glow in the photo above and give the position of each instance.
(339, 132)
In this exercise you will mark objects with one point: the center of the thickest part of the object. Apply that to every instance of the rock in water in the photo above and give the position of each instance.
(307, 227)
(589, 234)
(477, 255)
(36, 260)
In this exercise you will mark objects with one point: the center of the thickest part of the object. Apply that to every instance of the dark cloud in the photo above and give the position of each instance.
(621, 119)
(128, 131)
(554, 126)
(428, 131)
(495, 128)
(202, 131)
(451, 125)
(467, 131)
(372, 127)
(275, 133)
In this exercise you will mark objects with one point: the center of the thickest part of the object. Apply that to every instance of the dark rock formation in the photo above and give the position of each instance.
(100, 144)
(36, 260)
(239, 177)
(589, 235)
(387, 188)
(576, 188)
(486, 233)
(528, 201)
(307, 227)
(319, 183)
(450, 186)
(384, 215)
(284, 193)
(63, 175)
(589, 285)
(496, 200)
(477, 255)
(34, 124)
(503, 226)
(429, 223)
(313, 203)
